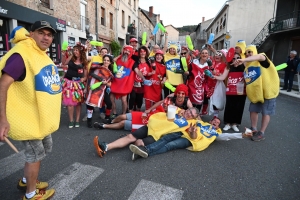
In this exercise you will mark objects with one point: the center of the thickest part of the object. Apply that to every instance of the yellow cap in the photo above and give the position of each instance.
(252, 48)
(242, 45)
(173, 46)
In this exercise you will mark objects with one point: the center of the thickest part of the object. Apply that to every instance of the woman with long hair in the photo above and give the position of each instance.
(235, 93)
(98, 87)
(73, 83)
(137, 93)
(153, 93)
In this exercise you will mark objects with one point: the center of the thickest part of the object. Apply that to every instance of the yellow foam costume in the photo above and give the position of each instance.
(158, 125)
(242, 45)
(206, 135)
(261, 83)
(34, 104)
(173, 64)
(96, 60)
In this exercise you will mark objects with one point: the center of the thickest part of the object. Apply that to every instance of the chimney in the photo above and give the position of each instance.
(150, 11)
(203, 19)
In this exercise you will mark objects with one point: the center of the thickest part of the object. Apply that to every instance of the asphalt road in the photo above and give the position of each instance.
(237, 169)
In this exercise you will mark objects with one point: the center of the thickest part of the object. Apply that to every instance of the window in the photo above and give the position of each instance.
(111, 2)
(224, 21)
(129, 20)
(123, 18)
(102, 16)
(45, 3)
(83, 19)
(111, 20)
(134, 4)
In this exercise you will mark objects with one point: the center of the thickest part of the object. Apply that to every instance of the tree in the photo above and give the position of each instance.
(115, 48)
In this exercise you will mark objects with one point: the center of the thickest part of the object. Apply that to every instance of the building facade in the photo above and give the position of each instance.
(242, 20)
(127, 20)
(74, 20)
(173, 33)
(145, 25)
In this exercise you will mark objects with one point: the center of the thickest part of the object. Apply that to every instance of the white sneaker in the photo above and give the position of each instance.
(235, 128)
(227, 127)
(84, 118)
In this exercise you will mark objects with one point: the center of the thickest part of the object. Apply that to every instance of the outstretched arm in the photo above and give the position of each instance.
(166, 43)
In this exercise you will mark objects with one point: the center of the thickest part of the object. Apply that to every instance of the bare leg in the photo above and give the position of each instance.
(71, 113)
(78, 111)
(118, 125)
(254, 119)
(264, 122)
(124, 104)
(122, 142)
(139, 143)
(119, 118)
(31, 172)
(113, 102)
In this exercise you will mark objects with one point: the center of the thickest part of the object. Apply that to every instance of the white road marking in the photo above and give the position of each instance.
(150, 190)
(11, 164)
(73, 180)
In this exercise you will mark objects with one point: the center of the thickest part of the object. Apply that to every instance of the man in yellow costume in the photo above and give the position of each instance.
(262, 88)
(30, 101)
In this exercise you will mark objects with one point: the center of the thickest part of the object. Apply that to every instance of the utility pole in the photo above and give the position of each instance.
(96, 20)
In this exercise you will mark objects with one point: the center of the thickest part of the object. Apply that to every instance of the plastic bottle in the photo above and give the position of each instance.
(211, 38)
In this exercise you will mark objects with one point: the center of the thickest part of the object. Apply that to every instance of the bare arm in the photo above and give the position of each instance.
(258, 57)
(5, 82)
(211, 48)
(223, 76)
(148, 42)
(139, 73)
(166, 43)
(154, 106)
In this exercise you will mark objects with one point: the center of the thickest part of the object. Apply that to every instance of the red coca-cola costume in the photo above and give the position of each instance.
(233, 79)
(218, 69)
(197, 82)
(122, 84)
(138, 120)
(153, 92)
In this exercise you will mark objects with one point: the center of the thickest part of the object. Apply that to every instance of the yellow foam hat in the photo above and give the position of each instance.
(18, 34)
(252, 48)
(242, 45)
(173, 46)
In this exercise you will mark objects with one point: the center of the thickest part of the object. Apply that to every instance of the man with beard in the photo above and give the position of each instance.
(123, 79)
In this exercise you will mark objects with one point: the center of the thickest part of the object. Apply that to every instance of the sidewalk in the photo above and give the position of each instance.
(293, 93)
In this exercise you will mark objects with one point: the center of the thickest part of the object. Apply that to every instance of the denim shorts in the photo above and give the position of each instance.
(128, 122)
(266, 108)
(36, 150)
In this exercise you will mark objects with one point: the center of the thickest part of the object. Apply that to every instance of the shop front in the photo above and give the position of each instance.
(13, 15)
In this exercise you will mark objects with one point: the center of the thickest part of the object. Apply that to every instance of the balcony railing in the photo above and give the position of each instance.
(283, 22)
(131, 30)
(84, 22)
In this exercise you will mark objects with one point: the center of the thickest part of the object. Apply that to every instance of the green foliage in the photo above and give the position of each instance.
(115, 48)
(189, 28)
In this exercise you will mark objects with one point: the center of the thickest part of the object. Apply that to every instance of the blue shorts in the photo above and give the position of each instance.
(36, 150)
(266, 108)
(128, 122)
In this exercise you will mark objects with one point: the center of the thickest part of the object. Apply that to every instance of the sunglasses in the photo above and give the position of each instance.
(219, 54)
(236, 58)
(248, 52)
(183, 53)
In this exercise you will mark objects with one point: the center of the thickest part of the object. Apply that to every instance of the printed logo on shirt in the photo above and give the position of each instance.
(208, 130)
(173, 64)
(251, 74)
(48, 80)
(180, 121)
(122, 72)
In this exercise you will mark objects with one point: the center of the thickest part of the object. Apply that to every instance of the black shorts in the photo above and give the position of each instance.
(142, 133)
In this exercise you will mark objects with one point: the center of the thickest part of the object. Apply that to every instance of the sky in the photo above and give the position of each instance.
(183, 12)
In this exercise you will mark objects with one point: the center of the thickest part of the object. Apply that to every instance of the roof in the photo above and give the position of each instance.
(172, 26)
(153, 18)
(216, 17)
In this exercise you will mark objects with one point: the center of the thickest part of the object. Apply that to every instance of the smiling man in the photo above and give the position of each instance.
(27, 101)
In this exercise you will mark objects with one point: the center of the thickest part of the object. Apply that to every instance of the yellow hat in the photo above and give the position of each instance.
(242, 45)
(173, 46)
(252, 48)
